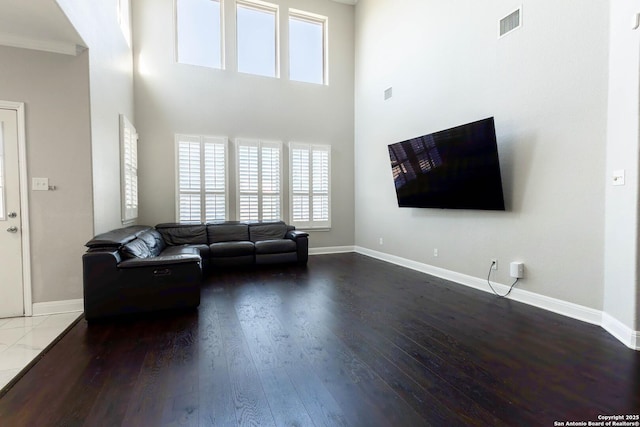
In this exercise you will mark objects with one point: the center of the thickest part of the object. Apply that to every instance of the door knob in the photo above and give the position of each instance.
(12, 215)
(12, 229)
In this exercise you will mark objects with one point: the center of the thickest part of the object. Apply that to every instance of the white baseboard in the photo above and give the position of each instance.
(627, 336)
(331, 250)
(57, 307)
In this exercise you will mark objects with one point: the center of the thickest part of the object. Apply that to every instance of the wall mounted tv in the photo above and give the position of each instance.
(457, 168)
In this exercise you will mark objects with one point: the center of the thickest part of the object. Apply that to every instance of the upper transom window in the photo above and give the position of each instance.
(307, 47)
(257, 37)
(199, 32)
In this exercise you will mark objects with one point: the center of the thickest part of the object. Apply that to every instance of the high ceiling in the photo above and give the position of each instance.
(37, 24)
(41, 25)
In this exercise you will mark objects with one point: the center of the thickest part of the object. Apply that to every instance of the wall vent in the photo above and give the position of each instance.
(511, 22)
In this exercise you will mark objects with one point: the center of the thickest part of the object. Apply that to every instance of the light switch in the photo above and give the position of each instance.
(40, 184)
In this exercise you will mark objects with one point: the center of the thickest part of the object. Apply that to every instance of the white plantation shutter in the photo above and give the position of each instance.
(299, 184)
(320, 167)
(259, 180)
(310, 182)
(270, 178)
(202, 178)
(128, 170)
(215, 178)
(248, 180)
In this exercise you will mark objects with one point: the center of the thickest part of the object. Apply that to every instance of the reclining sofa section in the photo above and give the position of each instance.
(140, 268)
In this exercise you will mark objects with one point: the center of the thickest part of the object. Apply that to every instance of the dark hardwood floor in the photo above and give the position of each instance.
(347, 341)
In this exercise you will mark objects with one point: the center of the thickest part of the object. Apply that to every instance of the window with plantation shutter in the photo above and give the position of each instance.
(310, 181)
(128, 170)
(201, 170)
(259, 169)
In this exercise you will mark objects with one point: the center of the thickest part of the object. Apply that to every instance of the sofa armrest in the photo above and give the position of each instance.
(302, 244)
(114, 287)
(295, 234)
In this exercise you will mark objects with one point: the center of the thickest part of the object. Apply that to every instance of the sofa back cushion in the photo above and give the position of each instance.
(154, 241)
(118, 237)
(228, 232)
(267, 231)
(137, 248)
(183, 234)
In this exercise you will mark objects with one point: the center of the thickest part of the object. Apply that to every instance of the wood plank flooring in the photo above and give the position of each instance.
(347, 341)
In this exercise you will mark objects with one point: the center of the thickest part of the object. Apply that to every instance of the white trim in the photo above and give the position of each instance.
(13, 40)
(57, 307)
(627, 336)
(18, 107)
(332, 250)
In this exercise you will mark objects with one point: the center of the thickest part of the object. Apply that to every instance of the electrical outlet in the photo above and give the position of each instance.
(494, 264)
(435, 252)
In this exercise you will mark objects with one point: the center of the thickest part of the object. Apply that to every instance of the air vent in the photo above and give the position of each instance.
(388, 93)
(511, 22)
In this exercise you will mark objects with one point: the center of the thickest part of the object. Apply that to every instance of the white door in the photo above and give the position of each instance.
(11, 288)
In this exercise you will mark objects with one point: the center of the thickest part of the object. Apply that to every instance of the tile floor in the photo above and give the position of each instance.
(23, 338)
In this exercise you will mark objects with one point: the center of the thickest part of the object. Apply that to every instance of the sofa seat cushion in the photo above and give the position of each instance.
(275, 246)
(231, 249)
(160, 261)
(180, 250)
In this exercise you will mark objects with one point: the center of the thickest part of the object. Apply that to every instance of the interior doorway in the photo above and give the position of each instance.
(15, 280)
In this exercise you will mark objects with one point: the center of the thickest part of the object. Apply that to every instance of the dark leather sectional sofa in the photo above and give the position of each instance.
(142, 268)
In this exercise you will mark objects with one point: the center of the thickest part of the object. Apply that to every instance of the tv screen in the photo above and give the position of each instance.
(457, 168)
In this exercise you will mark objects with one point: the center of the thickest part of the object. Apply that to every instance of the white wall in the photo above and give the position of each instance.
(621, 262)
(546, 85)
(55, 90)
(175, 98)
(111, 82)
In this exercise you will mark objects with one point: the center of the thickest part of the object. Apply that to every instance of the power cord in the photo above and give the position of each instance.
(489, 282)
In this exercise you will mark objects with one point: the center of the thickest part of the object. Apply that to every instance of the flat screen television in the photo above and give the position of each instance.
(456, 168)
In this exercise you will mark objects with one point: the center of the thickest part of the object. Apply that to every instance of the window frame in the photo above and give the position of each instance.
(3, 200)
(202, 191)
(222, 37)
(129, 196)
(240, 142)
(124, 19)
(309, 224)
(313, 18)
(260, 6)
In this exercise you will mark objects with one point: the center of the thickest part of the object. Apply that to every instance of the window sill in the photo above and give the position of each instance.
(310, 229)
